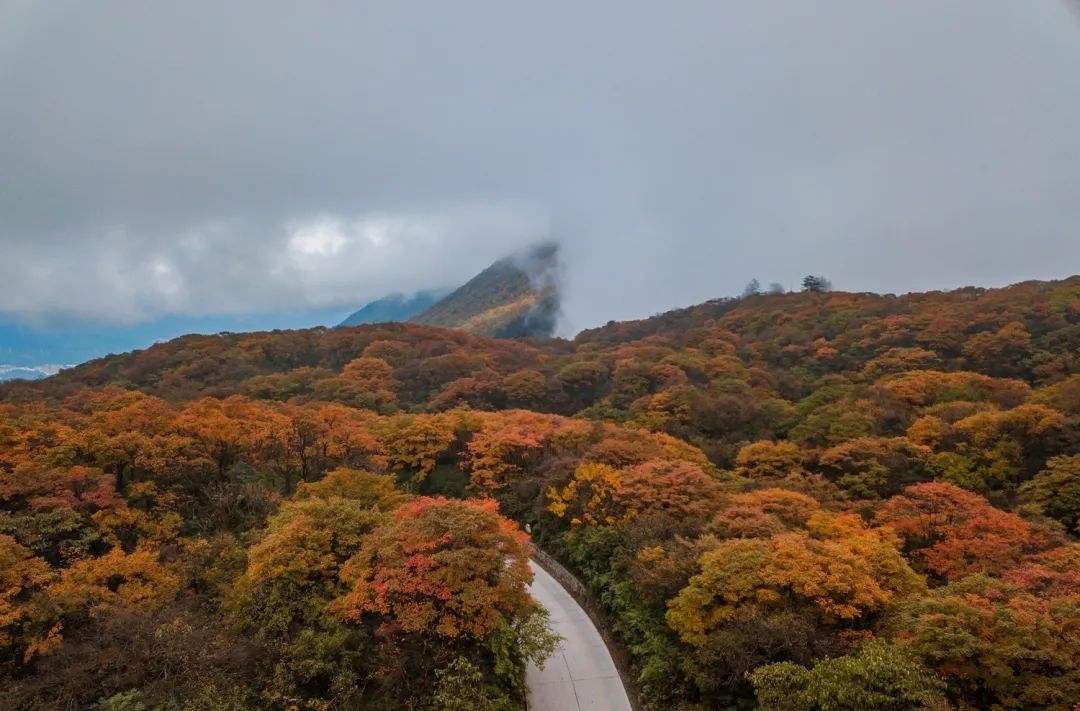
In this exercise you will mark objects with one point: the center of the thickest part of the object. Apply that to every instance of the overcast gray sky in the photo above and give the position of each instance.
(205, 157)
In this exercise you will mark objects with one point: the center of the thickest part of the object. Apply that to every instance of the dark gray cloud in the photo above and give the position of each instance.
(227, 157)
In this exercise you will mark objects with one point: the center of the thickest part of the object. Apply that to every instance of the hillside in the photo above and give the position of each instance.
(779, 498)
(514, 297)
(396, 307)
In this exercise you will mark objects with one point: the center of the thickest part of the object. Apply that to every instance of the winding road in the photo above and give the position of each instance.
(580, 675)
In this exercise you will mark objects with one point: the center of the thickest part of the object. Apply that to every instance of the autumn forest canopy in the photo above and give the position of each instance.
(820, 501)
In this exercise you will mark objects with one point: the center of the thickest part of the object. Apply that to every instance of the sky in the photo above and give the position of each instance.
(202, 158)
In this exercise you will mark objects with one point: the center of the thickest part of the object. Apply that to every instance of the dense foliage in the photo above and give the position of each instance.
(802, 501)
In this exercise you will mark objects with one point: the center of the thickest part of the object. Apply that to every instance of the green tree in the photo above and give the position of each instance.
(1055, 491)
(816, 283)
(879, 677)
(461, 687)
(752, 288)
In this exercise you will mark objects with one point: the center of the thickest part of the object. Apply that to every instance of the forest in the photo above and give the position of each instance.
(820, 501)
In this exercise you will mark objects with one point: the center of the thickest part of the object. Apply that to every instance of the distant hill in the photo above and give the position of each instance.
(68, 344)
(20, 372)
(514, 297)
(396, 307)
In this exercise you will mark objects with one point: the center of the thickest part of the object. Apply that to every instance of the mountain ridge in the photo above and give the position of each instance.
(395, 307)
(515, 297)
(942, 320)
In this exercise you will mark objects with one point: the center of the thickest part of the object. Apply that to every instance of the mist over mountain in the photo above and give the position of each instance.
(677, 150)
(395, 307)
(516, 297)
(16, 372)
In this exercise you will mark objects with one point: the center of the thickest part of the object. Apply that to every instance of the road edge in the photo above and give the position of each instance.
(577, 590)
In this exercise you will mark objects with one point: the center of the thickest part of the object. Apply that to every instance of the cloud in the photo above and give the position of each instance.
(235, 267)
(198, 158)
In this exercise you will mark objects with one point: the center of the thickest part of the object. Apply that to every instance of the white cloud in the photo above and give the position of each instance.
(321, 238)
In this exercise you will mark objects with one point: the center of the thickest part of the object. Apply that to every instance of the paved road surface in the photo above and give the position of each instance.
(580, 675)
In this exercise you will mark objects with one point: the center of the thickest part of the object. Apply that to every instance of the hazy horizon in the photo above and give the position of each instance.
(198, 161)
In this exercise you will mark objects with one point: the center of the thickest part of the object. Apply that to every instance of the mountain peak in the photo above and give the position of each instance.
(516, 297)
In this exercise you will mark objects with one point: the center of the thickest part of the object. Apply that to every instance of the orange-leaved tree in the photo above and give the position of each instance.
(995, 642)
(838, 571)
(21, 576)
(953, 533)
(599, 494)
(448, 568)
